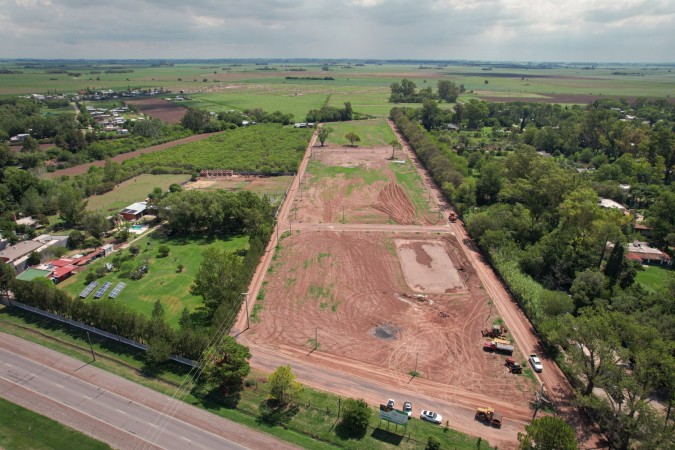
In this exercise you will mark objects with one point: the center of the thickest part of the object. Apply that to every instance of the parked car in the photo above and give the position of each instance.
(407, 408)
(391, 403)
(536, 363)
(431, 416)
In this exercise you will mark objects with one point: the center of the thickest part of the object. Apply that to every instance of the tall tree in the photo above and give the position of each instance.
(447, 90)
(218, 279)
(226, 364)
(71, 206)
(430, 113)
(323, 133)
(395, 145)
(7, 275)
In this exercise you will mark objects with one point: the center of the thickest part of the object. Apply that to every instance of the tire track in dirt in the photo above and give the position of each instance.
(394, 202)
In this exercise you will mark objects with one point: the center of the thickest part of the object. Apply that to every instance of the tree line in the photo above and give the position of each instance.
(541, 227)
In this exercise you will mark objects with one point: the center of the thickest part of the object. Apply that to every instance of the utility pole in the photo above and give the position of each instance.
(416, 356)
(93, 355)
(245, 294)
(339, 407)
(316, 338)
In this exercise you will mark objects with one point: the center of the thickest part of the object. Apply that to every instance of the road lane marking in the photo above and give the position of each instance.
(58, 385)
(185, 439)
(120, 411)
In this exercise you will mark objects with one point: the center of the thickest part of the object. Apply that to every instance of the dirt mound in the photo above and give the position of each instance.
(395, 202)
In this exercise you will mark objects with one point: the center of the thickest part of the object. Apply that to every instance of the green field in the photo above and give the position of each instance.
(373, 133)
(21, 428)
(245, 86)
(163, 281)
(261, 148)
(131, 191)
(654, 278)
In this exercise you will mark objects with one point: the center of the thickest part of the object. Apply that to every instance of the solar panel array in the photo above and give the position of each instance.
(102, 289)
(115, 292)
(88, 289)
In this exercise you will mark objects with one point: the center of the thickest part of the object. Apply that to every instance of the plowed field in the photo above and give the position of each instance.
(361, 185)
(360, 293)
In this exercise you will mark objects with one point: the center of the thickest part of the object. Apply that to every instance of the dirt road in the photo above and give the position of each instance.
(82, 168)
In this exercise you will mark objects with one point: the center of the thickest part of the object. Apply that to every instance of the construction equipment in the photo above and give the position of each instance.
(495, 332)
(452, 217)
(513, 366)
(499, 347)
(489, 416)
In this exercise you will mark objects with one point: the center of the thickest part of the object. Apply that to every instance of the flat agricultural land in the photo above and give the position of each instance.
(361, 185)
(386, 300)
(131, 191)
(158, 108)
(373, 133)
(21, 428)
(163, 281)
(273, 187)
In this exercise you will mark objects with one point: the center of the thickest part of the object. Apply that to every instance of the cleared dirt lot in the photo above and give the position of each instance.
(158, 108)
(361, 185)
(349, 288)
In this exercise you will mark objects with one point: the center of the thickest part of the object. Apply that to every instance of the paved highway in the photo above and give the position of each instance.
(109, 408)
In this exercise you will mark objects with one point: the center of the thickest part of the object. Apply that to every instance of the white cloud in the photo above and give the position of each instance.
(434, 29)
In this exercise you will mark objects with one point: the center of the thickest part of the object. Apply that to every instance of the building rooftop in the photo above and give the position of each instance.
(16, 251)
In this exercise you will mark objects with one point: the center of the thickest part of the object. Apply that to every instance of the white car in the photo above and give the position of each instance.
(391, 403)
(407, 408)
(431, 416)
(536, 363)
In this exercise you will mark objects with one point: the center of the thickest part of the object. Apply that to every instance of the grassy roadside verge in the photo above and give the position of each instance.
(309, 422)
(21, 428)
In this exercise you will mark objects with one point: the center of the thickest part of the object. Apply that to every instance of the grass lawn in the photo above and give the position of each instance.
(373, 133)
(162, 282)
(131, 191)
(21, 428)
(654, 278)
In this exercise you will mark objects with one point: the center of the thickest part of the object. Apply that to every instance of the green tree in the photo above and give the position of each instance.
(283, 385)
(163, 251)
(196, 119)
(588, 287)
(395, 145)
(30, 144)
(614, 264)
(159, 350)
(95, 223)
(430, 113)
(158, 310)
(353, 138)
(33, 259)
(323, 134)
(70, 204)
(447, 90)
(355, 418)
(218, 279)
(7, 276)
(226, 363)
(548, 433)
(433, 444)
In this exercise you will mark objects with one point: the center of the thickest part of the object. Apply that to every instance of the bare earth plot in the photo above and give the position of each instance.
(361, 185)
(371, 300)
(158, 108)
(273, 187)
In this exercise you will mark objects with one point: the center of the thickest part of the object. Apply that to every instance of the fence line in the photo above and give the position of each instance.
(89, 328)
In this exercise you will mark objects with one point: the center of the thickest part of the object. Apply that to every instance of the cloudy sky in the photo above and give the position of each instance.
(514, 30)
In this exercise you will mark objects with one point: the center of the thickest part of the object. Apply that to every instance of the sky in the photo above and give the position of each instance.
(494, 30)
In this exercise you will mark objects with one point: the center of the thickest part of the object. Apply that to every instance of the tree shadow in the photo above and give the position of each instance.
(274, 413)
(220, 397)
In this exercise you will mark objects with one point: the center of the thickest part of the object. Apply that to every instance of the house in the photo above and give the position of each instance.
(19, 138)
(609, 203)
(17, 255)
(62, 273)
(452, 127)
(134, 211)
(637, 250)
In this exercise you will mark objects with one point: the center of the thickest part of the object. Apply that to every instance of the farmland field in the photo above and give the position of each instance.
(163, 281)
(372, 132)
(262, 148)
(273, 187)
(131, 191)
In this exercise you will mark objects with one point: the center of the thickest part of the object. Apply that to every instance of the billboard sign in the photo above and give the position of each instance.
(393, 415)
